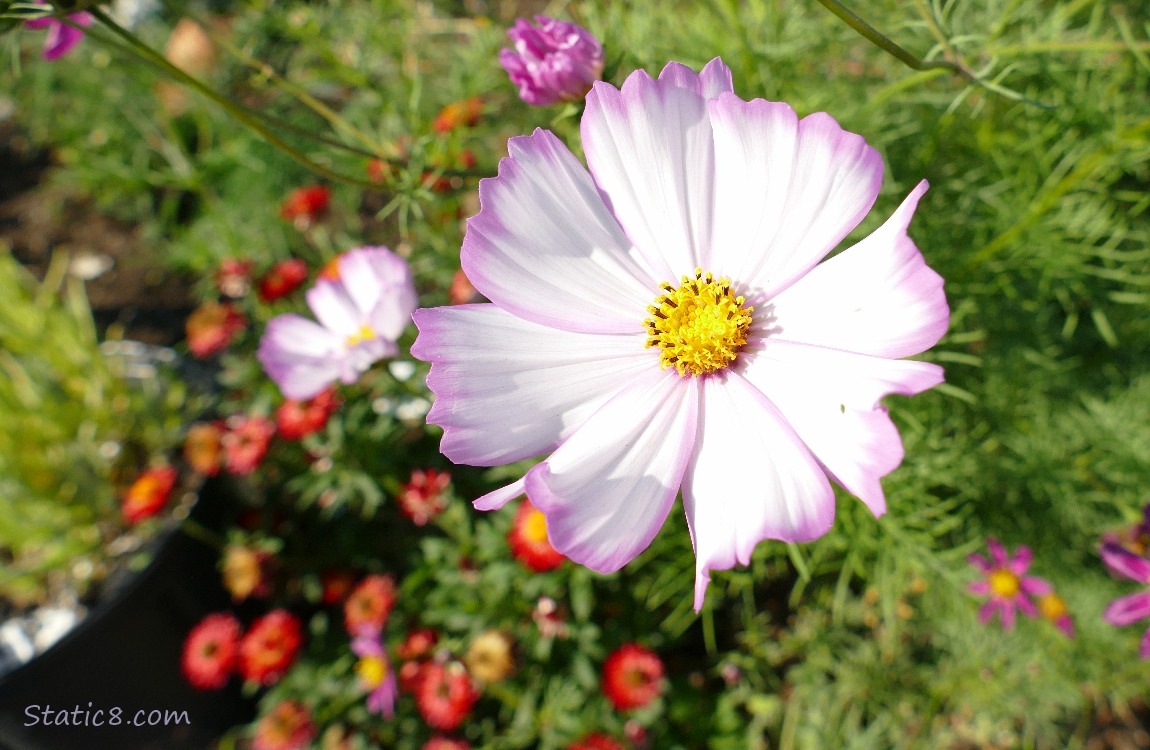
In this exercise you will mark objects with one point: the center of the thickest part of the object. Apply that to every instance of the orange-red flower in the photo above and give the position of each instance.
(439, 742)
(282, 279)
(463, 113)
(149, 493)
(596, 741)
(462, 291)
(305, 206)
(246, 443)
(296, 420)
(368, 606)
(528, 540)
(288, 726)
(444, 695)
(269, 648)
(335, 585)
(632, 677)
(422, 498)
(203, 447)
(210, 651)
(211, 327)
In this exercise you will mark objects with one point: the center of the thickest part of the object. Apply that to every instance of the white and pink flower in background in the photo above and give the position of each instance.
(660, 322)
(362, 302)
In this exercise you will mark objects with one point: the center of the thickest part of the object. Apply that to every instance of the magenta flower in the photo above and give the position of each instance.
(1133, 607)
(363, 301)
(62, 37)
(375, 673)
(663, 322)
(1006, 583)
(552, 62)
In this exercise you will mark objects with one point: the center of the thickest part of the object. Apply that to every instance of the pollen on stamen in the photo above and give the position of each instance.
(700, 325)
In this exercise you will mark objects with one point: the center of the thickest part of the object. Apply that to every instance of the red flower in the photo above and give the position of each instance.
(418, 644)
(246, 443)
(462, 291)
(632, 676)
(269, 647)
(203, 448)
(211, 327)
(296, 420)
(149, 493)
(410, 673)
(596, 742)
(439, 742)
(306, 205)
(335, 584)
(528, 540)
(421, 499)
(282, 279)
(288, 726)
(210, 651)
(369, 605)
(233, 277)
(463, 113)
(444, 695)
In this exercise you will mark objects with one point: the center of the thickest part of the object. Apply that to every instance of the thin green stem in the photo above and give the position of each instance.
(241, 114)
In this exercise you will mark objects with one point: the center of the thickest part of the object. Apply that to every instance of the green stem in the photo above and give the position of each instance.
(243, 115)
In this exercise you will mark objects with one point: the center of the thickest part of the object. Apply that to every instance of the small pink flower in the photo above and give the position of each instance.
(61, 36)
(1006, 584)
(553, 61)
(1132, 607)
(375, 673)
(363, 301)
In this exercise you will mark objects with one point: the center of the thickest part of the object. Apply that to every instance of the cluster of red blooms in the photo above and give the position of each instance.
(424, 496)
(214, 649)
(214, 325)
(149, 493)
(443, 690)
(306, 205)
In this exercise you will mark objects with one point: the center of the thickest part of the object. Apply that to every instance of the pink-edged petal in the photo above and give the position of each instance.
(607, 490)
(379, 281)
(986, 611)
(1036, 586)
(997, 552)
(750, 479)
(1128, 609)
(831, 399)
(787, 191)
(650, 150)
(714, 78)
(546, 248)
(1008, 613)
(1020, 562)
(508, 389)
(1024, 603)
(335, 309)
(302, 357)
(1144, 648)
(1125, 563)
(979, 588)
(496, 499)
(878, 297)
(979, 562)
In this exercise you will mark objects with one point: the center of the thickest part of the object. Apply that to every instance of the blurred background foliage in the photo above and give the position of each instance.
(1036, 217)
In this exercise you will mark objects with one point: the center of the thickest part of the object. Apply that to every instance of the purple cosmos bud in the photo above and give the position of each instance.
(61, 36)
(552, 62)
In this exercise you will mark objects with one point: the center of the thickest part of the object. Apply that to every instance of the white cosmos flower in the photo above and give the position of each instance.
(662, 324)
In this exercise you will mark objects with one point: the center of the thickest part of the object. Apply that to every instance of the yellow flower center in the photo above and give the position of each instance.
(1004, 584)
(700, 326)
(372, 671)
(1052, 607)
(365, 333)
(535, 527)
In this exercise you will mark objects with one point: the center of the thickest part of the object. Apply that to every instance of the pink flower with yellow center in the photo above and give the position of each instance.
(662, 322)
(363, 301)
(1006, 584)
(375, 673)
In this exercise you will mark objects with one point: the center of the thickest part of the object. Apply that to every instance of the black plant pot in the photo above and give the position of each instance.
(115, 678)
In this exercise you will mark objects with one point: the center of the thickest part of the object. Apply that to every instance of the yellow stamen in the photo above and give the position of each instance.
(365, 333)
(1004, 584)
(372, 671)
(700, 326)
